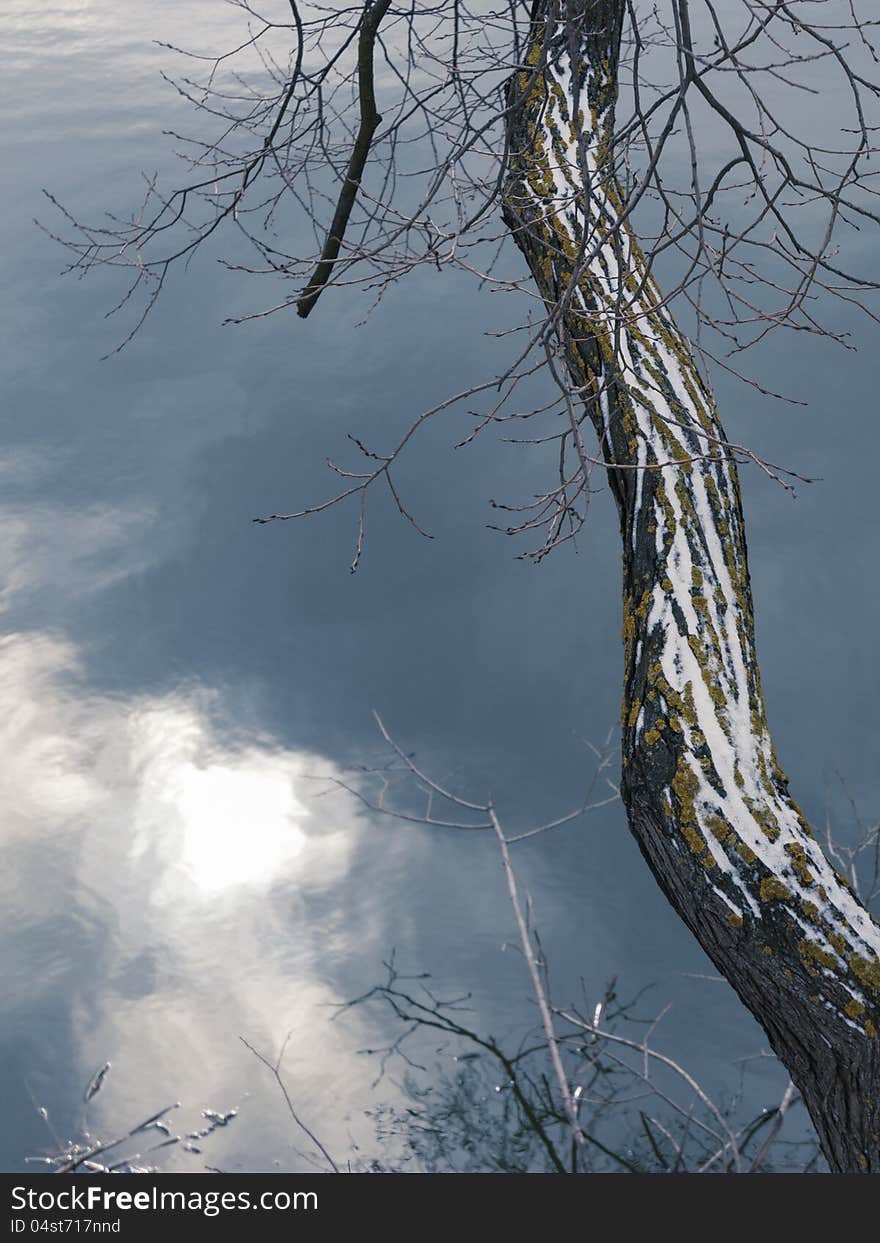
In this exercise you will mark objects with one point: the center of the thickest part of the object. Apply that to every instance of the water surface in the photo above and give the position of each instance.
(174, 677)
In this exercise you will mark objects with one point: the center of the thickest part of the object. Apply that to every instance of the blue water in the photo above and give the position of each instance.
(179, 683)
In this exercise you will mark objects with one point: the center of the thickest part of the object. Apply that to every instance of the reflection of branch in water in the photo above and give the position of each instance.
(497, 1110)
(573, 1073)
(88, 1154)
(275, 1069)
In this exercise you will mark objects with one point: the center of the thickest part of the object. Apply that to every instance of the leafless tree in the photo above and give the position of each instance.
(616, 143)
(571, 1084)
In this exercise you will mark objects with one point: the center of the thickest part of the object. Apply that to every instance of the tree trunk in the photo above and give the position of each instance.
(705, 796)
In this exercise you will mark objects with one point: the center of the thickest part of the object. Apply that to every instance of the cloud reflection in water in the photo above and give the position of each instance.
(192, 865)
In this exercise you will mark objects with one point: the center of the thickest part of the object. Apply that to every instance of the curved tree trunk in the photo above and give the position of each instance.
(704, 793)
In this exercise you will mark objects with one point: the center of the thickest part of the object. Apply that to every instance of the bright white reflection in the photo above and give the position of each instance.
(179, 878)
(188, 810)
(220, 817)
(238, 827)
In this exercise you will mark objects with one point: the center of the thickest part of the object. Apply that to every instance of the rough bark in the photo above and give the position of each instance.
(705, 796)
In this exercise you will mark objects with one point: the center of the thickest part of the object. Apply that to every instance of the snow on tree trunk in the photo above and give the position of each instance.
(705, 795)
